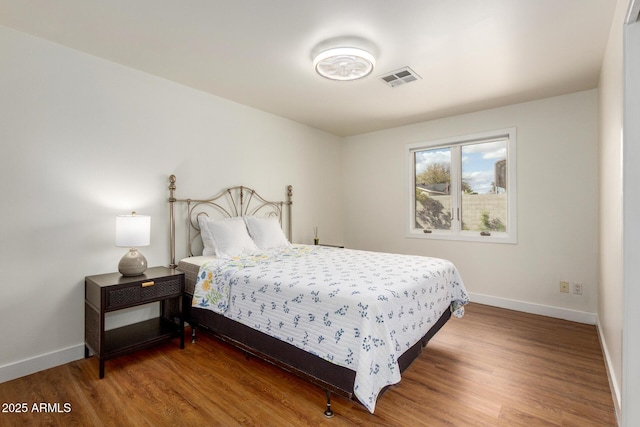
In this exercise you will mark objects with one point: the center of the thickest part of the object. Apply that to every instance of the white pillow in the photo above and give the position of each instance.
(266, 232)
(225, 238)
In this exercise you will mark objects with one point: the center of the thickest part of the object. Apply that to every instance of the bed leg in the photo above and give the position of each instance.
(193, 334)
(328, 413)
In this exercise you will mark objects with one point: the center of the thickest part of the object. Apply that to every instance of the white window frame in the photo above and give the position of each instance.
(455, 233)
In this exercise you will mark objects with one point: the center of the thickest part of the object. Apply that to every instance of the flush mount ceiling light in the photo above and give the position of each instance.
(344, 63)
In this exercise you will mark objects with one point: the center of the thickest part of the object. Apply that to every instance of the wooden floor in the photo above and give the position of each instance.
(493, 367)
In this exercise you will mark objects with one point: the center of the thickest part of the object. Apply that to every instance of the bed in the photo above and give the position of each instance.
(348, 321)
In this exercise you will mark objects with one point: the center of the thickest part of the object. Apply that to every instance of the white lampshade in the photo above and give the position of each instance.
(133, 230)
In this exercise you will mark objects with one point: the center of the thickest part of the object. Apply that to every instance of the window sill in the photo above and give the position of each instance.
(470, 237)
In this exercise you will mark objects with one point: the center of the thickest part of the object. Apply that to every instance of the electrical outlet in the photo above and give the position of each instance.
(564, 286)
(577, 288)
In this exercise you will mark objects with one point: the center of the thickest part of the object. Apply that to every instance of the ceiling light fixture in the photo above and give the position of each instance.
(344, 63)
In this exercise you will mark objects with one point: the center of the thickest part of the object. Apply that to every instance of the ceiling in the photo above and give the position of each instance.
(471, 54)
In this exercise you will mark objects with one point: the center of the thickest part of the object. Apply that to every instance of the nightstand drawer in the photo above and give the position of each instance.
(141, 292)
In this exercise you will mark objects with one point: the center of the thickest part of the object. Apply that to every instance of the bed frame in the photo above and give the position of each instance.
(239, 201)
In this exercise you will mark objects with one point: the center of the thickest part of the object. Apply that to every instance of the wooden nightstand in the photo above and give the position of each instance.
(111, 292)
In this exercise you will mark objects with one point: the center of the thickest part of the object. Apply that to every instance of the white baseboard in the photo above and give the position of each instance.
(616, 395)
(543, 310)
(40, 363)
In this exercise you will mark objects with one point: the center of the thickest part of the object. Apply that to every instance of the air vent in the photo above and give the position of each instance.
(400, 77)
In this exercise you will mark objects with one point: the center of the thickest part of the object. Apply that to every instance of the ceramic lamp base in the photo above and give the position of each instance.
(133, 263)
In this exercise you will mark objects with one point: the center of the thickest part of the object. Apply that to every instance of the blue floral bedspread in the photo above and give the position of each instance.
(357, 309)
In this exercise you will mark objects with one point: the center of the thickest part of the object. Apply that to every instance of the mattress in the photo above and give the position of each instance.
(191, 266)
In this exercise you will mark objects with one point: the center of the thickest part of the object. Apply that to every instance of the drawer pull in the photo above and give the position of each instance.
(147, 284)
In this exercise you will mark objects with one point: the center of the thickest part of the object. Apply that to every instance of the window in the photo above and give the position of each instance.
(464, 188)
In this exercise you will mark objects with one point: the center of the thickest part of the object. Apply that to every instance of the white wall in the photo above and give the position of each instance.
(610, 297)
(84, 140)
(557, 204)
(631, 215)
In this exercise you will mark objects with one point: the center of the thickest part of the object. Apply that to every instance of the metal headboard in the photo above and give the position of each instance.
(231, 202)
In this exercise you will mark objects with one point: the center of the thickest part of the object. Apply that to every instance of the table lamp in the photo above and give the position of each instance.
(133, 231)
